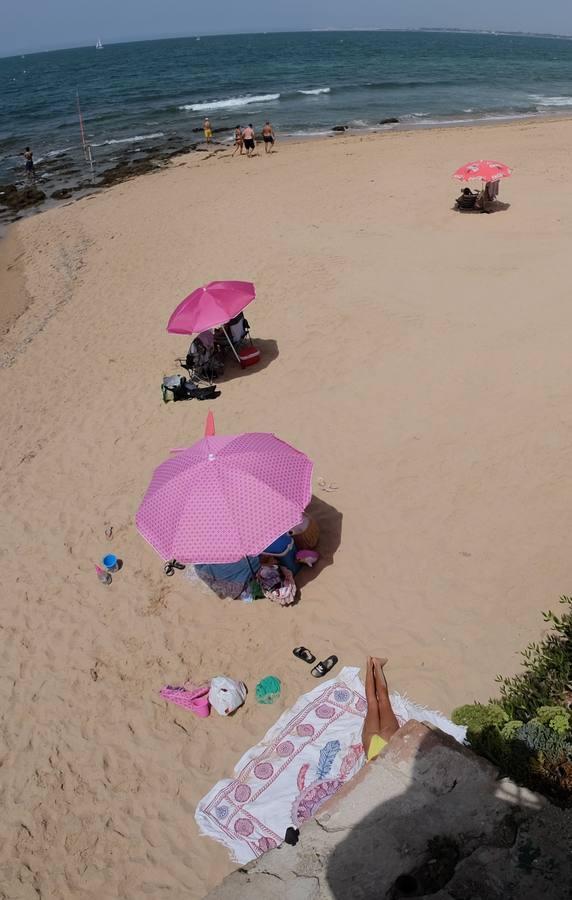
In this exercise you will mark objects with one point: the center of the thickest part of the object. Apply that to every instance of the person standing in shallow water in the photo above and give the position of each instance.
(29, 158)
(207, 128)
(248, 138)
(268, 137)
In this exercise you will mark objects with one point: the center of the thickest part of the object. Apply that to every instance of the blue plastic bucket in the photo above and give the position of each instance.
(110, 562)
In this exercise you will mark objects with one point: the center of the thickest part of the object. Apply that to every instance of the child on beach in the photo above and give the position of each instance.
(207, 130)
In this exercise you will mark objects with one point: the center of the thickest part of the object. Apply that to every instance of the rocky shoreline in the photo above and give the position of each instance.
(69, 176)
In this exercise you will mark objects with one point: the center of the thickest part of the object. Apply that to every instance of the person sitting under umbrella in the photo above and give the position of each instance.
(467, 200)
(202, 359)
(235, 332)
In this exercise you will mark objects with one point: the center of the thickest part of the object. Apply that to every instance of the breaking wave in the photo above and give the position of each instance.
(551, 101)
(129, 140)
(230, 102)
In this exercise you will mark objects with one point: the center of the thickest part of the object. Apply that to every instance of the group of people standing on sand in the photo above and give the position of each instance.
(245, 137)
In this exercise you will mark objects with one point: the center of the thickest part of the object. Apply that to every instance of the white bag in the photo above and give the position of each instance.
(226, 695)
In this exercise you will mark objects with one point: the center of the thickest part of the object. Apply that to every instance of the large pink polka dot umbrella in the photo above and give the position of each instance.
(225, 497)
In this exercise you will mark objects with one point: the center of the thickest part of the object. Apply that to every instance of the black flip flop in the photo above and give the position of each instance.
(324, 667)
(169, 567)
(304, 654)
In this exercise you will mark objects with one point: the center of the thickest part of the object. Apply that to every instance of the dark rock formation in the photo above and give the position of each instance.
(16, 199)
(62, 194)
(389, 122)
(7, 193)
(340, 128)
(124, 170)
(180, 151)
(68, 176)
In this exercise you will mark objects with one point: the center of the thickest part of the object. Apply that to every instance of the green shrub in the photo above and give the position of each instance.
(539, 738)
(547, 676)
(527, 731)
(477, 716)
(510, 730)
(556, 717)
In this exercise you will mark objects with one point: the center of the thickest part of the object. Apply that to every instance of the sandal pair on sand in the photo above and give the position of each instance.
(322, 668)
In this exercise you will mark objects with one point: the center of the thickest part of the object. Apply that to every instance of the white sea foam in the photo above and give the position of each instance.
(475, 119)
(52, 153)
(133, 139)
(551, 101)
(307, 134)
(230, 102)
(316, 91)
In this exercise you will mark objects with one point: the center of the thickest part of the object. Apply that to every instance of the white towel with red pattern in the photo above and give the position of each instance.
(305, 758)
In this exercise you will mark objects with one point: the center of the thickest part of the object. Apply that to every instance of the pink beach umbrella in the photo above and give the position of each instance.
(210, 306)
(485, 169)
(224, 498)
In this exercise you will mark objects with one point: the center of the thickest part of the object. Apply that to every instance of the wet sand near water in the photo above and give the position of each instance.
(13, 295)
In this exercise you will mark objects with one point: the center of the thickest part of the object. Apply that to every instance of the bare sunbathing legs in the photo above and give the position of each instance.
(380, 719)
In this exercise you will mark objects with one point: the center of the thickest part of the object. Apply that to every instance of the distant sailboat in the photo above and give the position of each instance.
(99, 45)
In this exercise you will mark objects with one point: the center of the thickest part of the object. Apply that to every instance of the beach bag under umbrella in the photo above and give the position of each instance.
(224, 498)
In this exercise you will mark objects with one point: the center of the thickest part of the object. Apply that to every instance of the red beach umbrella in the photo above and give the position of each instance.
(483, 169)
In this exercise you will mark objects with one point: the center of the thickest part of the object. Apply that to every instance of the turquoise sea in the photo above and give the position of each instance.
(136, 95)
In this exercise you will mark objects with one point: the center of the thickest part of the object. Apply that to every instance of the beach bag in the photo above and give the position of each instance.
(226, 695)
(177, 387)
(277, 583)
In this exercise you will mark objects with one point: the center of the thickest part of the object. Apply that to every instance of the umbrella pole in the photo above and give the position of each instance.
(231, 345)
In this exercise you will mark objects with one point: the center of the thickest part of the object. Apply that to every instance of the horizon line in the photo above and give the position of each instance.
(450, 29)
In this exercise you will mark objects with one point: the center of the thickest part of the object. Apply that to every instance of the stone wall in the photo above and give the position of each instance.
(427, 819)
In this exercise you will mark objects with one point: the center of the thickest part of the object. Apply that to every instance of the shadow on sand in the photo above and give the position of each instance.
(268, 353)
(496, 206)
(330, 521)
(455, 832)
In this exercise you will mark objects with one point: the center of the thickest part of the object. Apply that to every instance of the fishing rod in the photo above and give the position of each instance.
(84, 142)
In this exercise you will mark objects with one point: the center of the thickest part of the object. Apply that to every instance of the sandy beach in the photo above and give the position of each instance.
(420, 357)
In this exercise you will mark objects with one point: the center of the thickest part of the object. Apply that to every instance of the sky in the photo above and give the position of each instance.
(47, 24)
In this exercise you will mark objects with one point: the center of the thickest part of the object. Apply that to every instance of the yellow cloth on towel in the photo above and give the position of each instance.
(376, 745)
